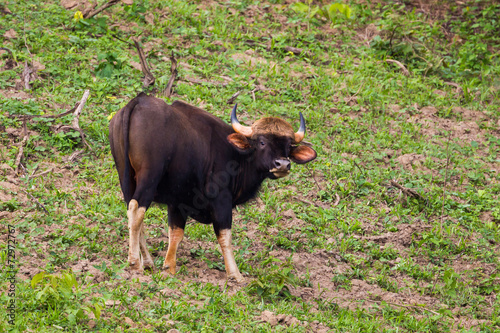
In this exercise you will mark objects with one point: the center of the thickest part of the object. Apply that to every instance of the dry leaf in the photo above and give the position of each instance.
(11, 33)
(111, 302)
(130, 322)
(37, 66)
(69, 4)
(150, 18)
(135, 65)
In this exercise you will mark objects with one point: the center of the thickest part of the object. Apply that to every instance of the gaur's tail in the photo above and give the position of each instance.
(127, 112)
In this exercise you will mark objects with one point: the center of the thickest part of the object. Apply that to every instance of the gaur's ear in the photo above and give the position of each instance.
(239, 141)
(302, 154)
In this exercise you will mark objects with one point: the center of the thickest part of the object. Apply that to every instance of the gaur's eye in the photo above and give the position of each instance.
(262, 143)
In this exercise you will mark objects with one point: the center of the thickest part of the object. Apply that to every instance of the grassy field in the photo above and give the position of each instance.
(395, 227)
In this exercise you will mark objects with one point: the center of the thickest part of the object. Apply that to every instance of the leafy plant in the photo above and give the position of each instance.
(275, 283)
(53, 289)
(109, 64)
(334, 12)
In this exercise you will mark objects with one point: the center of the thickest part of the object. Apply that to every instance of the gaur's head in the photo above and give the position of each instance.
(273, 143)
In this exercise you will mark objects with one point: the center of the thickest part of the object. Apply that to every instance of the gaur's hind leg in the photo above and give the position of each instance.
(147, 261)
(142, 198)
(135, 221)
(176, 224)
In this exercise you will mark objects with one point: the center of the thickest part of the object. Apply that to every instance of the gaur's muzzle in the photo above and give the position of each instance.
(281, 167)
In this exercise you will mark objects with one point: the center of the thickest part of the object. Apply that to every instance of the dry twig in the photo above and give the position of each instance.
(233, 98)
(42, 173)
(305, 201)
(400, 65)
(149, 78)
(445, 179)
(403, 306)
(313, 177)
(96, 11)
(350, 98)
(30, 116)
(28, 75)
(173, 71)
(458, 90)
(75, 124)
(21, 146)
(294, 50)
(408, 191)
(200, 81)
(11, 62)
(36, 201)
(337, 200)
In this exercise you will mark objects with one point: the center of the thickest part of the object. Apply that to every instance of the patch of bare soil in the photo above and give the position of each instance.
(414, 161)
(249, 58)
(290, 321)
(400, 239)
(15, 94)
(322, 267)
(466, 130)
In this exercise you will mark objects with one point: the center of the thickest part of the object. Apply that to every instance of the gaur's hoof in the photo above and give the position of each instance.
(238, 278)
(149, 265)
(170, 269)
(136, 266)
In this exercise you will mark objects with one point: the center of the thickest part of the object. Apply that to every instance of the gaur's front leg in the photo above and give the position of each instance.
(176, 224)
(222, 226)
(232, 270)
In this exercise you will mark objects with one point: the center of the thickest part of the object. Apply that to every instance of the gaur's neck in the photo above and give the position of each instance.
(247, 181)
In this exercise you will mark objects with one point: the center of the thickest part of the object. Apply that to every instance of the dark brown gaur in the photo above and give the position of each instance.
(197, 165)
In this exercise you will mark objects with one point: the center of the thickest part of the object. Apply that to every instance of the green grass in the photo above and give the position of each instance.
(379, 260)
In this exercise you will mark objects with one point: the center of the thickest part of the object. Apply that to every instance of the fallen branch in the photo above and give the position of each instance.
(233, 98)
(408, 191)
(28, 75)
(75, 125)
(294, 50)
(30, 116)
(200, 81)
(445, 179)
(173, 71)
(96, 11)
(42, 173)
(73, 156)
(11, 62)
(350, 98)
(21, 147)
(254, 90)
(337, 200)
(305, 201)
(400, 65)
(36, 201)
(149, 78)
(79, 109)
(121, 40)
(458, 90)
(313, 177)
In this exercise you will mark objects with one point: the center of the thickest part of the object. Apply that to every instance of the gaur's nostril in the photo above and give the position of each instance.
(282, 164)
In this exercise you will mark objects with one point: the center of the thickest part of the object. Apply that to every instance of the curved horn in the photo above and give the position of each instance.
(299, 135)
(239, 128)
